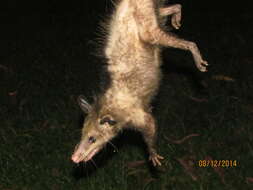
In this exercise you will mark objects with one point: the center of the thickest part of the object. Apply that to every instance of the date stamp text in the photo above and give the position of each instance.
(217, 163)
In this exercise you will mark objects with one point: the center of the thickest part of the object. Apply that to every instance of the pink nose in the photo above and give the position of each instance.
(76, 158)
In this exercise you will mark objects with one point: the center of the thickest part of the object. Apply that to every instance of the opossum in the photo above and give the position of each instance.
(134, 40)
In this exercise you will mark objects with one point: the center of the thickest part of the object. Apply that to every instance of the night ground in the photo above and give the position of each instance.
(48, 56)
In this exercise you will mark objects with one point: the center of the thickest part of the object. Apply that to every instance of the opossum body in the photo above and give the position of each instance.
(133, 53)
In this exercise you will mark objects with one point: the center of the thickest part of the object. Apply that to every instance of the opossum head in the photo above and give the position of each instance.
(99, 127)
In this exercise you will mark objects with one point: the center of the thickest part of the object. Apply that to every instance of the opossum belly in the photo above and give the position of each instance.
(150, 84)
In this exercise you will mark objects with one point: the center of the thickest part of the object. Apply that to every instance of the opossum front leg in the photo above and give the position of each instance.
(175, 11)
(149, 134)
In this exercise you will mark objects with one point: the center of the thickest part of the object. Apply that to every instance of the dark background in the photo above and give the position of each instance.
(48, 56)
(76, 23)
(23, 14)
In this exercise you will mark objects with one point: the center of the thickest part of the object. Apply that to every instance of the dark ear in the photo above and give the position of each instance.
(83, 103)
(109, 120)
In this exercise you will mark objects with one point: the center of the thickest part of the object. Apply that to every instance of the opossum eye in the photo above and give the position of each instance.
(92, 139)
(107, 120)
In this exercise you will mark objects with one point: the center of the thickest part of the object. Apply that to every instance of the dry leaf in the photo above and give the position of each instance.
(135, 164)
(223, 77)
(14, 93)
(198, 99)
(136, 172)
(181, 140)
(13, 97)
(188, 165)
(249, 179)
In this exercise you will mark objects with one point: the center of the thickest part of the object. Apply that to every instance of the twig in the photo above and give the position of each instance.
(181, 140)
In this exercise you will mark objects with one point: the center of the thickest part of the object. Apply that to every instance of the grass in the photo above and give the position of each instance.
(44, 68)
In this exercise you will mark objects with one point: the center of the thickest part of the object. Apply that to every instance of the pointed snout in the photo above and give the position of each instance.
(76, 158)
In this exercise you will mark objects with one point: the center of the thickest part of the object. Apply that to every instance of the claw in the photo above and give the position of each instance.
(202, 66)
(175, 20)
(156, 159)
(205, 63)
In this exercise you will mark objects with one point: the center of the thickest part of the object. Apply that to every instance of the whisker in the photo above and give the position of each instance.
(113, 3)
(117, 150)
(75, 148)
(110, 143)
(94, 163)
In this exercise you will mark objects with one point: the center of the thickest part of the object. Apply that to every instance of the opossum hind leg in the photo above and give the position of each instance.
(155, 158)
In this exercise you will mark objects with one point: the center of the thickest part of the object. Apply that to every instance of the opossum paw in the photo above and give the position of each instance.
(155, 158)
(202, 65)
(176, 20)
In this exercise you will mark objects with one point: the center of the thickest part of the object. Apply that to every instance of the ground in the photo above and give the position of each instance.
(48, 60)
